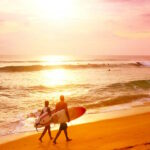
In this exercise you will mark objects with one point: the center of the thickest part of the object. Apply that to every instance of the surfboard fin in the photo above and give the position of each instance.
(37, 130)
(36, 127)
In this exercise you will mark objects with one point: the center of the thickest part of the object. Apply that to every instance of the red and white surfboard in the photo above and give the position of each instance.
(59, 117)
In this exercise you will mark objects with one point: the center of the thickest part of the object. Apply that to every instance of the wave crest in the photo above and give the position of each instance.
(138, 84)
(118, 100)
(31, 68)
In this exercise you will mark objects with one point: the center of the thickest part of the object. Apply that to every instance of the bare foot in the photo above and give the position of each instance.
(69, 140)
(40, 140)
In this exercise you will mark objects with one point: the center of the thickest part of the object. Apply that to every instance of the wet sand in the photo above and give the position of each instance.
(131, 132)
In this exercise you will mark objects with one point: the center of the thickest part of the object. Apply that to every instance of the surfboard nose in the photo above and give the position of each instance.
(82, 110)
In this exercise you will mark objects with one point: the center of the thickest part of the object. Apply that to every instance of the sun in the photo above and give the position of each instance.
(55, 9)
(56, 77)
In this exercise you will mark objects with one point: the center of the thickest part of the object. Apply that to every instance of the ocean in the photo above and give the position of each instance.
(98, 83)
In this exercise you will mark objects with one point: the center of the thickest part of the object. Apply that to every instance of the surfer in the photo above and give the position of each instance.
(63, 126)
(47, 127)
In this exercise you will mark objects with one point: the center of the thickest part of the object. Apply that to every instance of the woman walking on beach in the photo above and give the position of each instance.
(47, 128)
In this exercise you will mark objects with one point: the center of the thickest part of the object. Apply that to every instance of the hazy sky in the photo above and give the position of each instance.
(75, 27)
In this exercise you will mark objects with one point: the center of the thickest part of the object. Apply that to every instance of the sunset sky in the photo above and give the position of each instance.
(72, 27)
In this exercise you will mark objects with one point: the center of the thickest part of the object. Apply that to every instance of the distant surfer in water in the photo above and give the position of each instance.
(47, 128)
(63, 126)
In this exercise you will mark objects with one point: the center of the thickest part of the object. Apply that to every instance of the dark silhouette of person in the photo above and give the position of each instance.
(47, 127)
(63, 126)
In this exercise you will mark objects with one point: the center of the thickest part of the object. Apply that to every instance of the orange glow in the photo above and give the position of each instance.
(70, 27)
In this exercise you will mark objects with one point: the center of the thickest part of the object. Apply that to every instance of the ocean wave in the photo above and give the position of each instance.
(146, 63)
(21, 61)
(135, 85)
(31, 68)
(6, 106)
(42, 88)
(138, 84)
(117, 100)
(123, 106)
(3, 88)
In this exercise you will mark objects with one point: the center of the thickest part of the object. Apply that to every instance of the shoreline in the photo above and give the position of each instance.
(87, 119)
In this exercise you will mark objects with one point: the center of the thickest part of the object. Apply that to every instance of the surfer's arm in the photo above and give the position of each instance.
(66, 109)
(49, 111)
(56, 108)
(41, 113)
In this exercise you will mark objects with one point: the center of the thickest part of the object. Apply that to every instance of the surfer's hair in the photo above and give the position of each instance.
(62, 97)
(46, 103)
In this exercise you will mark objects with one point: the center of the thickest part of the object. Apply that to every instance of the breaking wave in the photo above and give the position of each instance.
(138, 84)
(31, 68)
(118, 100)
(44, 88)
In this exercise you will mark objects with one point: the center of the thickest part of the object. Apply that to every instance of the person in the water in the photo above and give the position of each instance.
(47, 128)
(63, 126)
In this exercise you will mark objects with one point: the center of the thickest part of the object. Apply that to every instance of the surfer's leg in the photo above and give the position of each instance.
(66, 135)
(57, 135)
(43, 133)
(64, 127)
(49, 132)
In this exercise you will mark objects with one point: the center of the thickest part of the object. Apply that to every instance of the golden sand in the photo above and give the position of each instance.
(132, 132)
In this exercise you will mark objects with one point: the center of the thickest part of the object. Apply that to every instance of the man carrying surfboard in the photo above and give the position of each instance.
(63, 126)
(47, 127)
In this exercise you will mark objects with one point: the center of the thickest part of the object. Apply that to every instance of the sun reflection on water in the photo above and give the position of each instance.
(59, 79)
(56, 77)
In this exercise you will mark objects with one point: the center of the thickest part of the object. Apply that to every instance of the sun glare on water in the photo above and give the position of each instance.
(54, 77)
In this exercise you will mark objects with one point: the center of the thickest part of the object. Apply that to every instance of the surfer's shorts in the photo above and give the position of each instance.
(63, 126)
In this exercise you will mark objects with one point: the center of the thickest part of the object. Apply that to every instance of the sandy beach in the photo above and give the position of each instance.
(131, 132)
(82, 61)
